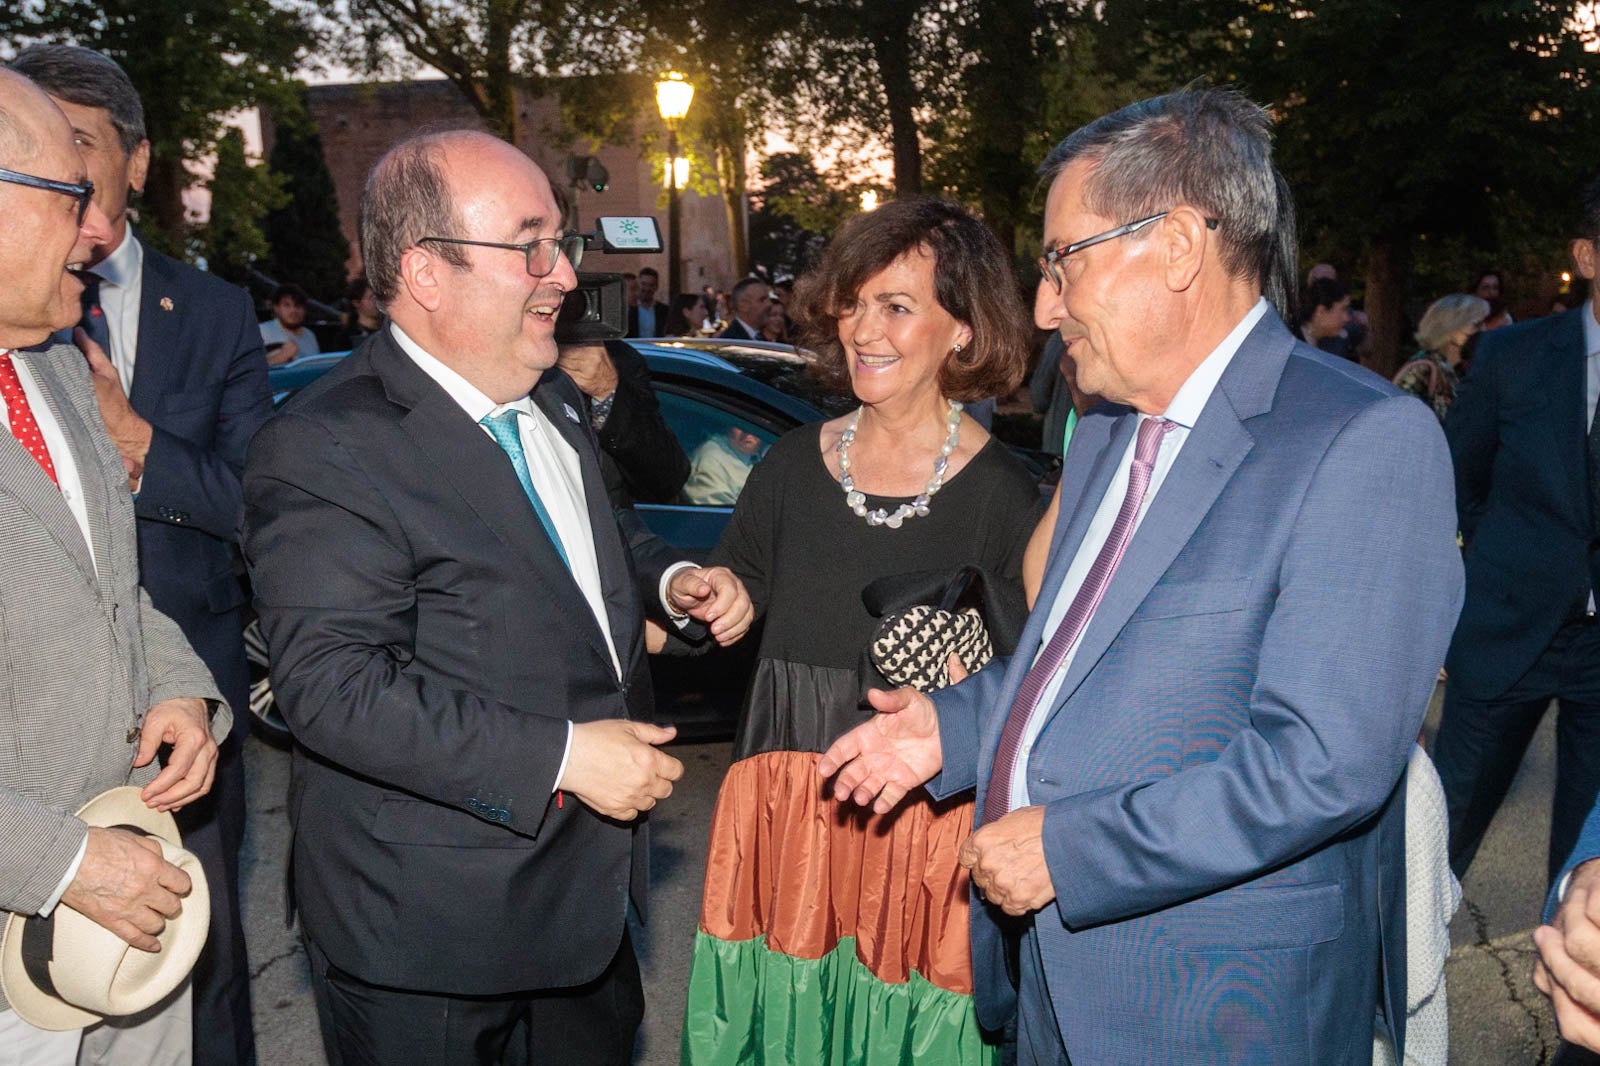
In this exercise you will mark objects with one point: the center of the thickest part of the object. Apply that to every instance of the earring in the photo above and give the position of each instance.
(957, 349)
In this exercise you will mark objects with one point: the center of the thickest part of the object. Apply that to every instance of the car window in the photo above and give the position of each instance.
(722, 448)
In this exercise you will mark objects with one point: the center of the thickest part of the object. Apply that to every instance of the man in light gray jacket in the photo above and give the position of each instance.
(96, 684)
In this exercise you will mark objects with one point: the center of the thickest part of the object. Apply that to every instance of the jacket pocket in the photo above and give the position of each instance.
(1186, 598)
(418, 822)
(1252, 918)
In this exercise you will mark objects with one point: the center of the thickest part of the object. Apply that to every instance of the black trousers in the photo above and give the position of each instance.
(589, 1025)
(213, 828)
(1481, 743)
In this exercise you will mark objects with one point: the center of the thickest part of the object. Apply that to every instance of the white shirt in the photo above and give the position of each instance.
(61, 457)
(1183, 412)
(305, 342)
(121, 288)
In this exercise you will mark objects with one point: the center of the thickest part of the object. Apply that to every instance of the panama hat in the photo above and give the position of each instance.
(66, 972)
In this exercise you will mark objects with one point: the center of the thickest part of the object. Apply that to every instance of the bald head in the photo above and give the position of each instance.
(27, 116)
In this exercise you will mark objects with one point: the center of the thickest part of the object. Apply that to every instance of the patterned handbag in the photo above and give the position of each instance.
(913, 645)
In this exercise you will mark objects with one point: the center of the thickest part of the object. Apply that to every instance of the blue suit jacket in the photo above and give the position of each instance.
(200, 379)
(1588, 847)
(1516, 432)
(1220, 769)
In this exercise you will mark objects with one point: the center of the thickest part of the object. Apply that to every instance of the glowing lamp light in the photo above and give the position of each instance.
(674, 94)
(1566, 277)
(675, 173)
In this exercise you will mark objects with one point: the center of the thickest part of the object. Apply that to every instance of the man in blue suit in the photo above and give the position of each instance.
(1190, 829)
(1527, 463)
(1568, 967)
(182, 386)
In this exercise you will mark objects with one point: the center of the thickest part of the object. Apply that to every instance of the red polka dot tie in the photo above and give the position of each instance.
(23, 426)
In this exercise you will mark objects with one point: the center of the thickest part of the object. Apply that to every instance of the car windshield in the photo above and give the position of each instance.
(790, 374)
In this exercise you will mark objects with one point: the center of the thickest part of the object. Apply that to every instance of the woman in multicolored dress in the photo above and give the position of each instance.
(829, 935)
(1447, 325)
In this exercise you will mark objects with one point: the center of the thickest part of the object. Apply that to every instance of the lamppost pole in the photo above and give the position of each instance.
(673, 96)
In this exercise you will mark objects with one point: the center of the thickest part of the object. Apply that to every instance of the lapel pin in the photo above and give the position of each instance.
(567, 407)
(166, 303)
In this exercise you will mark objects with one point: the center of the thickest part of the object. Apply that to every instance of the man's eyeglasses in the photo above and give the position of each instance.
(1050, 263)
(541, 255)
(82, 193)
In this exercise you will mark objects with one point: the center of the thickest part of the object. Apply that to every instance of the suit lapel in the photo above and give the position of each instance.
(615, 576)
(34, 491)
(1569, 399)
(160, 334)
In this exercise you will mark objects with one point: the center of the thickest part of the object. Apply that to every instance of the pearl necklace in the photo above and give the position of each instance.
(918, 508)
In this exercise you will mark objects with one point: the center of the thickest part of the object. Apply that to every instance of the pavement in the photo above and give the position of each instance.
(1497, 1018)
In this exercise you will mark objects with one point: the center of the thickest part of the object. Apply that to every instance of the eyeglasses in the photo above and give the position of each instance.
(541, 255)
(1050, 263)
(82, 193)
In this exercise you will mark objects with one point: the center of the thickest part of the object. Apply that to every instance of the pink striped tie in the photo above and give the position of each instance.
(997, 801)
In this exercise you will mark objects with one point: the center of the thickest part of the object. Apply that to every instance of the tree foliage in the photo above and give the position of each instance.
(232, 240)
(193, 63)
(1417, 136)
(795, 212)
(304, 235)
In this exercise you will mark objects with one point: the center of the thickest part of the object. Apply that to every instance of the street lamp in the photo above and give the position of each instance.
(673, 96)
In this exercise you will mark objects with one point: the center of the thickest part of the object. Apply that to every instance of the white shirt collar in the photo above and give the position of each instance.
(1195, 392)
(1591, 330)
(123, 265)
(463, 392)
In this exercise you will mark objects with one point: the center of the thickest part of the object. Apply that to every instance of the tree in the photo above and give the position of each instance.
(241, 195)
(304, 234)
(1402, 128)
(486, 48)
(795, 212)
(193, 63)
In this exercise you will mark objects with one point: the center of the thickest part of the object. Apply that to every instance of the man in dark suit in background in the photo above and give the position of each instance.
(182, 386)
(749, 301)
(647, 316)
(1527, 462)
(457, 640)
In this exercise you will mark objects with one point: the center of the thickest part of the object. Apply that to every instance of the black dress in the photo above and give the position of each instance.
(830, 935)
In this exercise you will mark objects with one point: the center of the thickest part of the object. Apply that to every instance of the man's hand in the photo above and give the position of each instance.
(1568, 967)
(130, 433)
(590, 368)
(715, 596)
(186, 725)
(1006, 858)
(614, 767)
(895, 751)
(126, 886)
(283, 353)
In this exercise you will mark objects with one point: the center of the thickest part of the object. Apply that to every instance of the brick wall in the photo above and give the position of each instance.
(359, 122)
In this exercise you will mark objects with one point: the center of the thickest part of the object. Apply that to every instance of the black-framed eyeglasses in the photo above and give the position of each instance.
(82, 193)
(541, 255)
(1050, 262)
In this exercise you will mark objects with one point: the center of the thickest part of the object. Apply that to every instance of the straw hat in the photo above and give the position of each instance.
(66, 972)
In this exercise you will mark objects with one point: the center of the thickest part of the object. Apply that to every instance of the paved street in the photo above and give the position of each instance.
(1496, 1017)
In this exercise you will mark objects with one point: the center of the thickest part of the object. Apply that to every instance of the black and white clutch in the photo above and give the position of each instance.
(913, 646)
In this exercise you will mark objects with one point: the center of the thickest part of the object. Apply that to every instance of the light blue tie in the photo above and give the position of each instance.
(503, 428)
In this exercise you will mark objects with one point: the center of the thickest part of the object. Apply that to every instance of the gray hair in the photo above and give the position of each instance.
(1448, 314)
(85, 77)
(1208, 148)
(406, 198)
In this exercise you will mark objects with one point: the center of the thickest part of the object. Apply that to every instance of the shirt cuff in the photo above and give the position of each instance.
(678, 618)
(72, 872)
(561, 771)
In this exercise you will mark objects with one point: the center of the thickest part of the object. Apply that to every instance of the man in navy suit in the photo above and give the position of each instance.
(1527, 459)
(182, 386)
(749, 302)
(456, 617)
(1190, 834)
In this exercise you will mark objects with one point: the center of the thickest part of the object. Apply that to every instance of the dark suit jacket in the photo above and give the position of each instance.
(662, 311)
(428, 647)
(736, 332)
(200, 380)
(1517, 434)
(1220, 768)
(644, 453)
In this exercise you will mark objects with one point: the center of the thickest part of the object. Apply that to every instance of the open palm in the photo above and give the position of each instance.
(878, 762)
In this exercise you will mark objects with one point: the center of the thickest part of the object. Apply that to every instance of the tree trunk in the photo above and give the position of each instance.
(499, 91)
(729, 132)
(892, 50)
(1388, 278)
